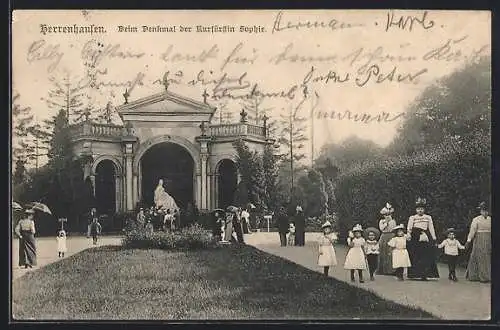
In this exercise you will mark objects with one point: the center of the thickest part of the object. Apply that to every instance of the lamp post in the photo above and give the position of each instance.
(62, 221)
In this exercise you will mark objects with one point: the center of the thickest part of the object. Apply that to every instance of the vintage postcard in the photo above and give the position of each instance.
(251, 165)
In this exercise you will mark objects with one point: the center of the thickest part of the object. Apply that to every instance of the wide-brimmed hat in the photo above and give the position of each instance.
(357, 228)
(326, 225)
(388, 209)
(30, 211)
(372, 230)
(483, 206)
(398, 227)
(449, 230)
(421, 202)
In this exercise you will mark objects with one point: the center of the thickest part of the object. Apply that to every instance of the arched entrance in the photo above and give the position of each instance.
(172, 163)
(105, 187)
(227, 175)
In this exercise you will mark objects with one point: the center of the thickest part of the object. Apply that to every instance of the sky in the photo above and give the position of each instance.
(372, 62)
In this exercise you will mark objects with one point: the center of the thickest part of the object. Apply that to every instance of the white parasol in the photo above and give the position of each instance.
(16, 206)
(40, 207)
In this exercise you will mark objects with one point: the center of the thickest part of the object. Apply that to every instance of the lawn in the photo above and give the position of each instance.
(224, 283)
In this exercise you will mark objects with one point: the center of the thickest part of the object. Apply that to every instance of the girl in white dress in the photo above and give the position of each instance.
(400, 257)
(61, 243)
(327, 257)
(355, 259)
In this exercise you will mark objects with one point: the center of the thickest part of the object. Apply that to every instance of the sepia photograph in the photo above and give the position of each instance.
(175, 165)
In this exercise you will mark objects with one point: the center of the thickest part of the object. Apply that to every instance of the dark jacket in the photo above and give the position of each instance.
(282, 222)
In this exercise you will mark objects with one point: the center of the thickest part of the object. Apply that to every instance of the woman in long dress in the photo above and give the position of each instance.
(25, 230)
(421, 245)
(386, 226)
(479, 267)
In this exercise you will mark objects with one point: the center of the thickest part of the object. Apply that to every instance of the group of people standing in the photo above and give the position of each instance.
(230, 225)
(165, 219)
(295, 229)
(392, 249)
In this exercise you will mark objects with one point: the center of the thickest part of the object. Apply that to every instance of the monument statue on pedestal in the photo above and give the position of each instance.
(163, 199)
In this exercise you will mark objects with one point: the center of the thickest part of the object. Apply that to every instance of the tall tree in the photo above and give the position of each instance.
(313, 193)
(457, 107)
(60, 152)
(270, 163)
(292, 140)
(250, 167)
(67, 94)
(28, 140)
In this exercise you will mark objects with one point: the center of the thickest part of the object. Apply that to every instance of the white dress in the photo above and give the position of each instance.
(400, 257)
(355, 258)
(61, 244)
(326, 251)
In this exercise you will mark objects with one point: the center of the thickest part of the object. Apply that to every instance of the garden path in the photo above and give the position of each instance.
(47, 250)
(461, 300)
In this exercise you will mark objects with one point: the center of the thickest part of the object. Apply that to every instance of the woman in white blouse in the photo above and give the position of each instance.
(25, 230)
(479, 267)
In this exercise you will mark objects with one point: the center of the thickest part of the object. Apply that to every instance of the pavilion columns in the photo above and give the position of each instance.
(203, 178)
(130, 182)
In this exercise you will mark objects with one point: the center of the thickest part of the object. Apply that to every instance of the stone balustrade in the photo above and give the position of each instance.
(89, 129)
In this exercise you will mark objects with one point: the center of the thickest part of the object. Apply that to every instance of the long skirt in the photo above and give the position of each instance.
(385, 257)
(27, 249)
(228, 233)
(300, 236)
(422, 258)
(479, 267)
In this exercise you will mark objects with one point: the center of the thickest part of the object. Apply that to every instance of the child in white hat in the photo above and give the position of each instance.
(400, 256)
(327, 257)
(355, 258)
(61, 243)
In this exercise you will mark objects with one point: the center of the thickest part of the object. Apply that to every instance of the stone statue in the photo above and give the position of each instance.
(163, 199)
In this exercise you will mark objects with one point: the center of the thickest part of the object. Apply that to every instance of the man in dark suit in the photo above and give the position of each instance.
(282, 224)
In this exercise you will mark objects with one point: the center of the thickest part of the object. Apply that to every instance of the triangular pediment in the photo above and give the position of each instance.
(165, 104)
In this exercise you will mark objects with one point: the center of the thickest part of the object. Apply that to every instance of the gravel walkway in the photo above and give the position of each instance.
(448, 300)
(47, 250)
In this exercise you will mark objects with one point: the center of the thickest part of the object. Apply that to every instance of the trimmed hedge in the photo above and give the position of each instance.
(190, 238)
(453, 177)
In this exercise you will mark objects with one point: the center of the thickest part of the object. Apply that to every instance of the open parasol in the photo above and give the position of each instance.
(232, 208)
(16, 206)
(40, 207)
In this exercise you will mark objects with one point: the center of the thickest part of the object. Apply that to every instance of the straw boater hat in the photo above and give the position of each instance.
(398, 227)
(372, 230)
(421, 202)
(388, 209)
(449, 230)
(483, 206)
(357, 228)
(326, 225)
